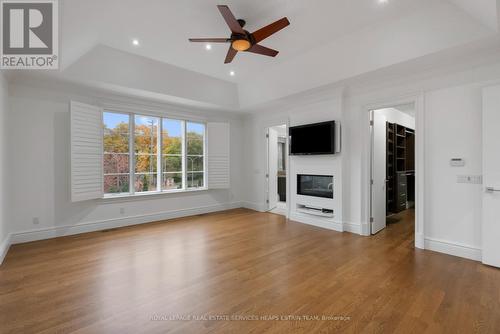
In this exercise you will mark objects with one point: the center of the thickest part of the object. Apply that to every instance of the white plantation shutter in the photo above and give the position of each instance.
(86, 152)
(218, 156)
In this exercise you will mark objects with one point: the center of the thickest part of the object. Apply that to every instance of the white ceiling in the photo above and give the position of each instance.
(327, 41)
(484, 10)
(163, 28)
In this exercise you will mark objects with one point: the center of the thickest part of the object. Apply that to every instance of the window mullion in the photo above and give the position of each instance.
(184, 156)
(205, 156)
(132, 153)
(159, 155)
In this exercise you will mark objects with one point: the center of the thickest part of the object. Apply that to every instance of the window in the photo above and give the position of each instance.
(146, 153)
(116, 153)
(195, 158)
(167, 154)
(172, 154)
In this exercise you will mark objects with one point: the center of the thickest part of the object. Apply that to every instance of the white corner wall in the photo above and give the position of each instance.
(40, 172)
(4, 231)
(453, 125)
(303, 112)
(38, 181)
(452, 113)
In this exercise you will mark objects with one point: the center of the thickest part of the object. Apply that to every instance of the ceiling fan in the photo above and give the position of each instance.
(242, 40)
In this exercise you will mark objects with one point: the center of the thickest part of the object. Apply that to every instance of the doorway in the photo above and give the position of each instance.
(393, 172)
(276, 176)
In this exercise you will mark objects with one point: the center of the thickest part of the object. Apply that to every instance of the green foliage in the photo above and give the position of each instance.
(194, 143)
(145, 147)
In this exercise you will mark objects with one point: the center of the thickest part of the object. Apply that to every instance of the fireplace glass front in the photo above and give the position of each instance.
(315, 185)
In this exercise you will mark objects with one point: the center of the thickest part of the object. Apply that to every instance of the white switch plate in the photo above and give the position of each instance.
(457, 162)
(470, 179)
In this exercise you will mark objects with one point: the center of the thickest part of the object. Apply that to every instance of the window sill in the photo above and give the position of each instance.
(151, 193)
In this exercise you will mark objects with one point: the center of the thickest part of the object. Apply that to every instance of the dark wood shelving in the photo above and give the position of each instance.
(391, 162)
(400, 162)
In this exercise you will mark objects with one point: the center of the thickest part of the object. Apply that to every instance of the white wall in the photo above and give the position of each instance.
(393, 115)
(452, 118)
(281, 130)
(40, 172)
(304, 112)
(453, 125)
(4, 231)
(107, 67)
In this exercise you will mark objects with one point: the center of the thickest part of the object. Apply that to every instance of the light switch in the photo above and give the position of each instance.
(470, 179)
(457, 162)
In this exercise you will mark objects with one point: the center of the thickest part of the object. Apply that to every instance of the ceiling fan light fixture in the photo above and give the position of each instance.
(242, 40)
(241, 45)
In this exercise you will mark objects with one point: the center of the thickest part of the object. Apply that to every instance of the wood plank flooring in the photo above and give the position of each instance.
(198, 274)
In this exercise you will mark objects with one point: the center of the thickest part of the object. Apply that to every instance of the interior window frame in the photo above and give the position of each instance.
(159, 172)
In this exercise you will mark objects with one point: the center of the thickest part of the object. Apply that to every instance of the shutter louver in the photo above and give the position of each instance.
(86, 152)
(218, 156)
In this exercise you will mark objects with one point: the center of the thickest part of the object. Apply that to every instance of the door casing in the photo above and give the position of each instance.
(287, 158)
(418, 99)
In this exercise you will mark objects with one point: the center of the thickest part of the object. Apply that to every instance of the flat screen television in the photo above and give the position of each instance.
(313, 139)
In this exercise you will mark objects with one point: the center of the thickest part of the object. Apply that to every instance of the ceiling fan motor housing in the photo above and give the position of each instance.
(242, 22)
(242, 42)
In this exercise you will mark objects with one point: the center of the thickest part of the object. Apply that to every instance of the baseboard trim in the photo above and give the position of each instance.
(419, 241)
(453, 248)
(279, 211)
(4, 247)
(59, 231)
(353, 228)
(261, 207)
(365, 229)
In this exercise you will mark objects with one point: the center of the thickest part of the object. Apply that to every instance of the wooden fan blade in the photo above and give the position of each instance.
(262, 50)
(268, 30)
(211, 40)
(230, 55)
(230, 19)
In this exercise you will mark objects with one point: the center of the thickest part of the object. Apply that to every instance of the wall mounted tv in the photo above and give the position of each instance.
(313, 139)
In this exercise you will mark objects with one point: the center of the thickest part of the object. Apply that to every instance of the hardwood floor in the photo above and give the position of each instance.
(240, 262)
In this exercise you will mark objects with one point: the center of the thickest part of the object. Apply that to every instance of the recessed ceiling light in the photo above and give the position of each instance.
(208, 46)
(383, 2)
(135, 42)
(232, 73)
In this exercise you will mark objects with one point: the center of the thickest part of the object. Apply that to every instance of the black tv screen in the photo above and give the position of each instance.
(312, 139)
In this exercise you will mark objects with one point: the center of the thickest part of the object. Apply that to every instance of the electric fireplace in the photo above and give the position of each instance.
(315, 185)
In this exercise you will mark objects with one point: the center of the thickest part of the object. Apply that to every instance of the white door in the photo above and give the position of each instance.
(491, 174)
(272, 168)
(378, 188)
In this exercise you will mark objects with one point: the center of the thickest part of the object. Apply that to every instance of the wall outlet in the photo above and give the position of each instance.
(122, 211)
(36, 221)
(470, 179)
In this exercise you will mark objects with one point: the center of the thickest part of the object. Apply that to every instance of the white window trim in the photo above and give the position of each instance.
(132, 194)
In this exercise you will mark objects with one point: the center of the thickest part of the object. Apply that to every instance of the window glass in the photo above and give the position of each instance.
(172, 154)
(146, 153)
(168, 154)
(195, 146)
(116, 159)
